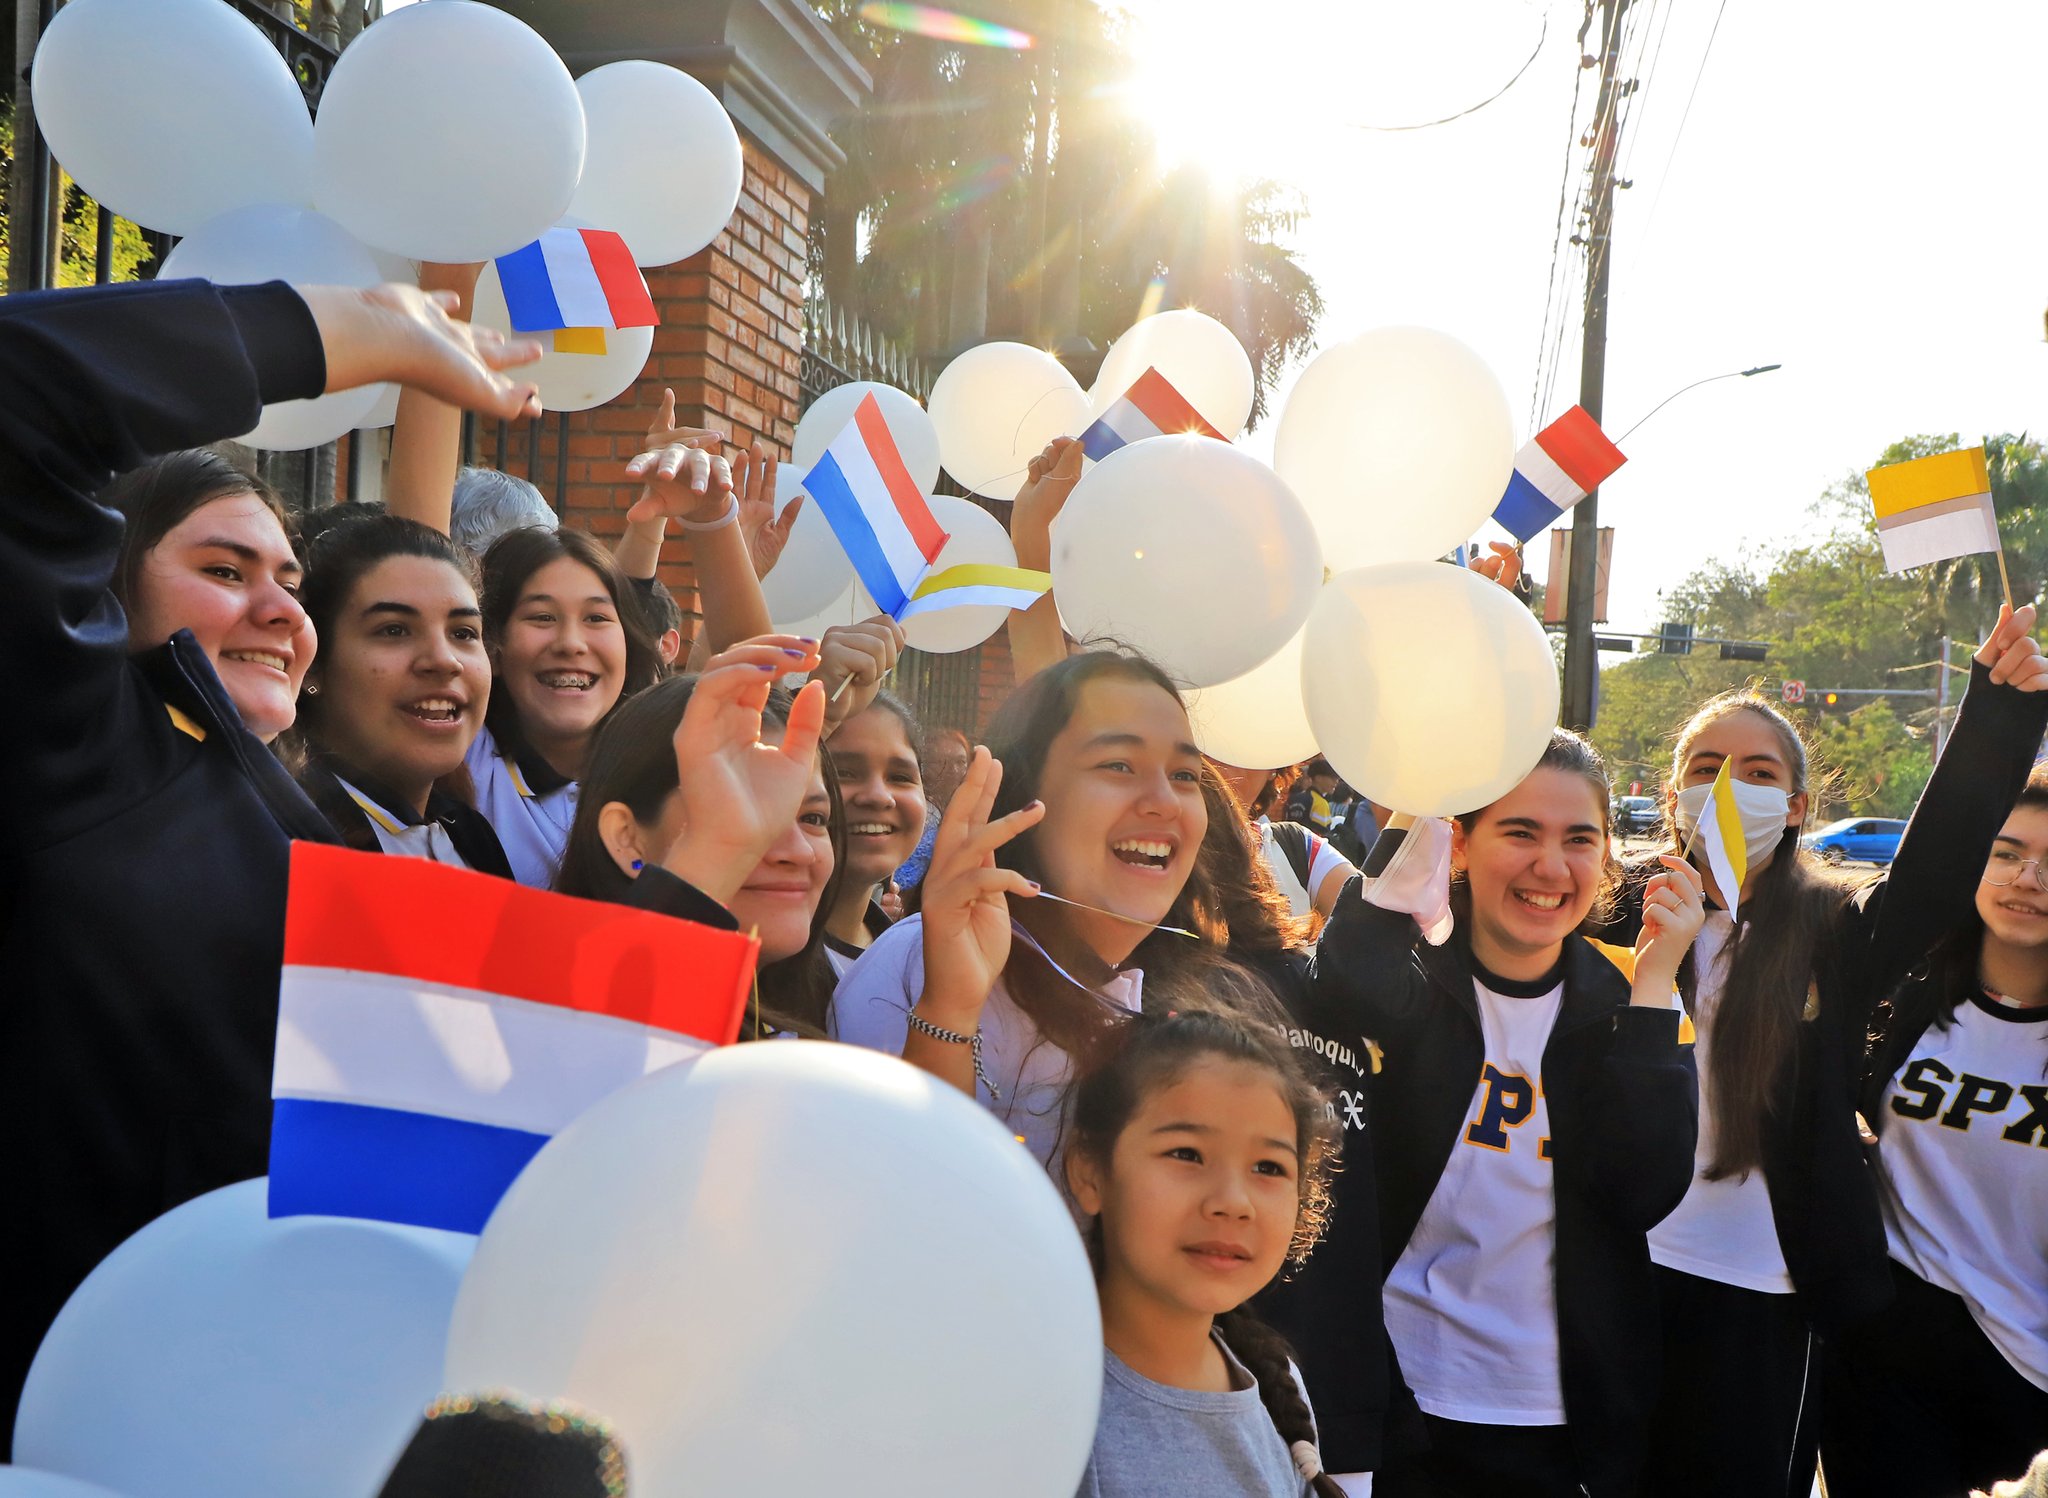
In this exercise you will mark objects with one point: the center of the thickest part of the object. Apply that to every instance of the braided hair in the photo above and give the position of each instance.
(1268, 1359)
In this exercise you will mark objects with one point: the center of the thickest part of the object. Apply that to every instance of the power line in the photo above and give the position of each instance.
(1557, 237)
(1542, 35)
(1642, 238)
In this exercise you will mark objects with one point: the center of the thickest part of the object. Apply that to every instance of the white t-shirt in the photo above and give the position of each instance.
(1723, 1230)
(1964, 1170)
(1472, 1303)
(1322, 859)
(428, 840)
(532, 825)
(870, 1006)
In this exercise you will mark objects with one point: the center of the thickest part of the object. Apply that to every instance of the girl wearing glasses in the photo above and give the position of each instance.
(1947, 1390)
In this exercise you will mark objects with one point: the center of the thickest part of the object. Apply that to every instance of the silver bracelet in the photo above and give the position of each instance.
(732, 513)
(924, 1026)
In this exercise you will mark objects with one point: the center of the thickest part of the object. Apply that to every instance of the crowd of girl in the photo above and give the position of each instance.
(1607, 1191)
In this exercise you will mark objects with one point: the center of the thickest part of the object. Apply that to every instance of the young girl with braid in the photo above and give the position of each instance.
(1201, 1156)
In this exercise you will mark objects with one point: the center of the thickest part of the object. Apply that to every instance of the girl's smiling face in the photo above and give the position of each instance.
(1533, 861)
(2016, 914)
(562, 660)
(882, 791)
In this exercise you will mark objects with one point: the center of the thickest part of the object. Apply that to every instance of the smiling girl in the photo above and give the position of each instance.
(1201, 1156)
(875, 763)
(399, 691)
(1779, 1241)
(1533, 1117)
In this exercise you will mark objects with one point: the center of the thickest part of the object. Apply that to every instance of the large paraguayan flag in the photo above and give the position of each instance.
(575, 278)
(436, 1027)
(1558, 467)
(1150, 408)
(875, 509)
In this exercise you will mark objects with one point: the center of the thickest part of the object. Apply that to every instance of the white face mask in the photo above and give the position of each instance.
(1763, 809)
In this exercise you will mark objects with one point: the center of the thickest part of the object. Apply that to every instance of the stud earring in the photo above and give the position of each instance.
(313, 689)
(637, 865)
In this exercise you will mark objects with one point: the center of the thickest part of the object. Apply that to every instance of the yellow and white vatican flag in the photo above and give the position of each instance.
(1718, 834)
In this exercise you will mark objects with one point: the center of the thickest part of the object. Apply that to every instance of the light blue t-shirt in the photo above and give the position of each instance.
(1156, 1441)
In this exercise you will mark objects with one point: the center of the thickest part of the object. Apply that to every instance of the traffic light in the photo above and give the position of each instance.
(1674, 638)
(1830, 699)
(1744, 650)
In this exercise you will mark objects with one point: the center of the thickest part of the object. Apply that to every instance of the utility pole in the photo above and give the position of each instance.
(1581, 662)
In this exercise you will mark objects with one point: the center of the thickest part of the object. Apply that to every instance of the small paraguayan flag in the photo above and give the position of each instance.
(1558, 467)
(874, 508)
(575, 278)
(422, 1062)
(1150, 408)
(978, 583)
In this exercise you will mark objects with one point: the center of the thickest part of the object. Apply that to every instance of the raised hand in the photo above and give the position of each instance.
(2013, 654)
(739, 793)
(1674, 909)
(965, 903)
(853, 659)
(411, 337)
(753, 480)
(1048, 480)
(1503, 567)
(663, 429)
(680, 481)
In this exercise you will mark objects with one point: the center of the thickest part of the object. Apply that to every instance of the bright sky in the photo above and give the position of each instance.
(1855, 195)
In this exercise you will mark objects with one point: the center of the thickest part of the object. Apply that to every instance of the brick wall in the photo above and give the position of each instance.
(729, 343)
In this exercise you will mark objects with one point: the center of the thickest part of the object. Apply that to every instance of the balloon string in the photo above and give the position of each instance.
(1014, 438)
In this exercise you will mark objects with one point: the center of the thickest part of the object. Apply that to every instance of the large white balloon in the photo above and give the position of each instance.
(1399, 442)
(1189, 550)
(917, 440)
(275, 242)
(798, 1267)
(170, 112)
(25, 1482)
(650, 124)
(1257, 721)
(448, 132)
(567, 381)
(849, 606)
(973, 537)
(1200, 357)
(222, 1351)
(995, 407)
(1430, 689)
(814, 569)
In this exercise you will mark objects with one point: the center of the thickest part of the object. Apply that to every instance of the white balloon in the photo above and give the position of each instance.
(898, 1251)
(844, 608)
(384, 412)
(276, 242)
(813, 570)
(170, 112)
(1189, 550)
(448, 132)
(973, 537)
(1430, 689)
(995, 407)
(568, 382)
(1200, 357)
(23, 1482)
(651, 123)
(1399, 442)
(917, 440)
(222, 1351)
(1257, 721)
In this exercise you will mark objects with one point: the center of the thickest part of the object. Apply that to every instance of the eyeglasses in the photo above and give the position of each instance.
(2005, 868)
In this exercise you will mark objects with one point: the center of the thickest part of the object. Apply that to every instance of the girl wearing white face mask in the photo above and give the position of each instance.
(1779, 1241)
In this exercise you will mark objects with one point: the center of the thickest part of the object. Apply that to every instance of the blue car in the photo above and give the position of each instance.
(1858, 840)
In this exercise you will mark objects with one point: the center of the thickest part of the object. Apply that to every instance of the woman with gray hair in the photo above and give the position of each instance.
(488, 504)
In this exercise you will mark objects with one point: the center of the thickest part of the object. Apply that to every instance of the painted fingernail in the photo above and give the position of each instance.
(808, 639)
(1035, 885)
(764, 668)
(795, 654)
(1036, 806)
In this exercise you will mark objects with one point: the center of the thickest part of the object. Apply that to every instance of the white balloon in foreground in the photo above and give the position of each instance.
(1257, 721)
(869, 1205)
(448, 132)
(1430, 689)
(276, 242)
(995, 407)
(319, 1338)
(813, 569)
(1189, 550)
(917, 440)
(568, 381)
(1399, 442)
(663, 165)
(1199, 356)
(170, 112)
(973, 537)
(25, 1482)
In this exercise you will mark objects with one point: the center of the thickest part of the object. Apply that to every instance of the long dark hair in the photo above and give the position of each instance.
(156, 498)
(1151, 1054)
(1789, 916)
(634, 762)
(511, 562)
(1568, 752)
(1176, 970)
(1254, 911)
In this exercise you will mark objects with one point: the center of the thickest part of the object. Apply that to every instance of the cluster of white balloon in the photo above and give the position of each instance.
(780, 1268)
(449, 132)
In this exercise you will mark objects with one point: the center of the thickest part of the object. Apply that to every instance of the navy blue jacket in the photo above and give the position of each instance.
(142, 883)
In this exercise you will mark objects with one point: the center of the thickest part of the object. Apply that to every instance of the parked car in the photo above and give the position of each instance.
(1858, 840)
(1636, 815)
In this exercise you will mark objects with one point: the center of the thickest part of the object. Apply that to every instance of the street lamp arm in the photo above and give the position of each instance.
(1733, 374)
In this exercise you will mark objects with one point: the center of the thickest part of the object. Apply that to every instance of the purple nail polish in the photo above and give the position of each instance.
(766, 668)
(797, 654)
